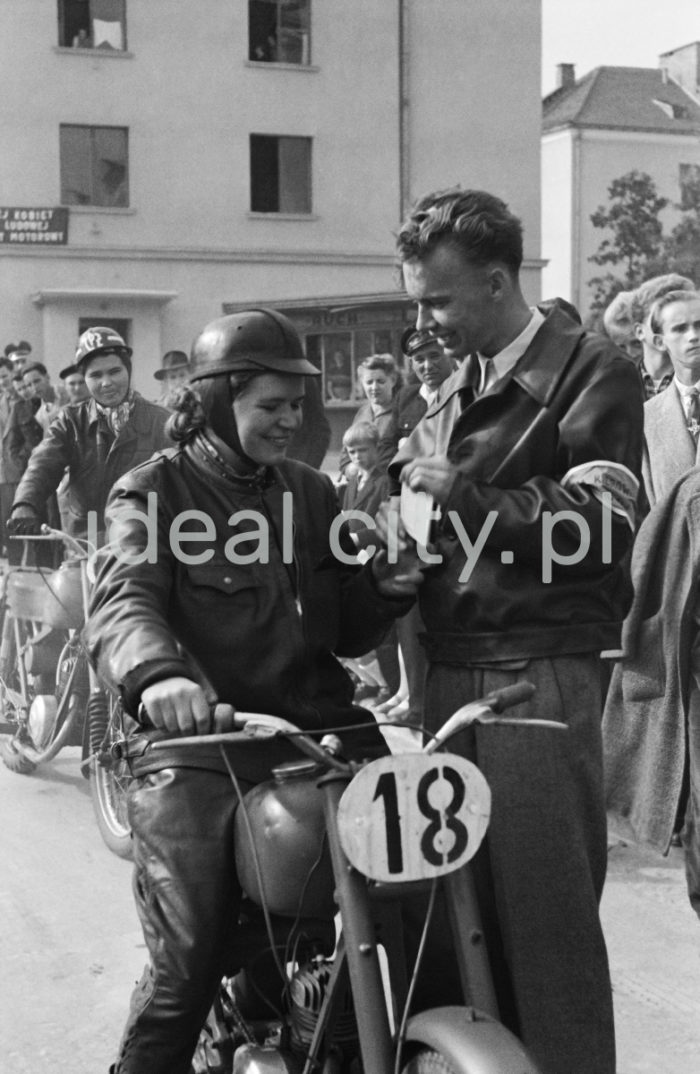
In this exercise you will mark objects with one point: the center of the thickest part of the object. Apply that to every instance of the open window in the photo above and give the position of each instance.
(279, 31)
(94, 24)
(94, 166)
(280, 174)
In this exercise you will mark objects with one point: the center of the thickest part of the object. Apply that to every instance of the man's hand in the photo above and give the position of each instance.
(180, 706)
(434, 474)
(23, 522)
(399, 579)
(402, 578)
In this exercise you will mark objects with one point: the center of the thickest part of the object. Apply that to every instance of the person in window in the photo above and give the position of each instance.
(173, 635)
(338, 378)
(98, 440)
(82, 39)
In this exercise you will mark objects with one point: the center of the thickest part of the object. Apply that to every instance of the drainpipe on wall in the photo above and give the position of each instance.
(404, 139)
(576, 223)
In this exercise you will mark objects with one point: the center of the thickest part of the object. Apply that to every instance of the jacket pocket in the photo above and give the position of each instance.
(223, 576)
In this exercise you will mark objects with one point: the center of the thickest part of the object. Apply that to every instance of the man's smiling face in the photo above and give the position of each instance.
(455, 301)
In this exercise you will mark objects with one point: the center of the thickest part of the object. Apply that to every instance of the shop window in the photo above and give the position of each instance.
(94, 166)
(98, 24)
(280, 174)
(338, 354)
(279, 31)
(689, 181)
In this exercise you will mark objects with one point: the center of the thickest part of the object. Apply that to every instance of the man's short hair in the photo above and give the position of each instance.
(361, 432)
(644, 297)
(618, 314)
(477, 223)
(667, 300)
(5, 363)
(39, 367)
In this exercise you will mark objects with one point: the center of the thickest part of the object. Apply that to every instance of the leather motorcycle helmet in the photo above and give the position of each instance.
(256, 339)
(99, 340)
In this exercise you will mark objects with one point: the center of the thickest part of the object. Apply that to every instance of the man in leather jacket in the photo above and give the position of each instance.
(97, 440)
(537, 492)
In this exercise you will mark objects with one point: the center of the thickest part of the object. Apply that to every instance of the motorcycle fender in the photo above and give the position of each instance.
(470, 1041)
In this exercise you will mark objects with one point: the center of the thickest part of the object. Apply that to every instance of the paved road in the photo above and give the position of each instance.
(70, 946)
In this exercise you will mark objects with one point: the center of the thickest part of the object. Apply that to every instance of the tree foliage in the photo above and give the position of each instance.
(637, 244)
(683, 244)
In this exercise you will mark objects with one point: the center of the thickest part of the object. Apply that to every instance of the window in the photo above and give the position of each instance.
(94, 166)
(278, 31)
(99, 24)
(338, 354)
(280, 174)
(689, 181)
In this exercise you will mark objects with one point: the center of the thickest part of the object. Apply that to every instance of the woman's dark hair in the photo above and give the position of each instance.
(209, 403)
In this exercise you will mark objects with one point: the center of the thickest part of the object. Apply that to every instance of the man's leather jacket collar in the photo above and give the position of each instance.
(538, 371)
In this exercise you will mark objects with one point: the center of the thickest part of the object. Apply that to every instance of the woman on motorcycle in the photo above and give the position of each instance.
(220, 582)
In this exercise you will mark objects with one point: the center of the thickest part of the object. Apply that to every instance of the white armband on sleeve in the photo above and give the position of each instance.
(610, 482)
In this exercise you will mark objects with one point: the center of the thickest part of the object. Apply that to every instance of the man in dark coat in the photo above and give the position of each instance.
(97, 440)
(651, 724)
(537, 492)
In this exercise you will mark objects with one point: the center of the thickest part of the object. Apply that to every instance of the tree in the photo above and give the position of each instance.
(683, 244)
(637, 243)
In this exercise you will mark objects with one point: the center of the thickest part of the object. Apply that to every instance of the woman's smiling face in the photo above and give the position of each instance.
(268, 411)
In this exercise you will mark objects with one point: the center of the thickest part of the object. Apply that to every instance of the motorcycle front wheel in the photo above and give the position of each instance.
(109, 777)
(52, 719)
(428, 1062)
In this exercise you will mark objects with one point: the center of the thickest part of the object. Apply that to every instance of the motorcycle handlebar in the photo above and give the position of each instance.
(261, 725)
(48, 533)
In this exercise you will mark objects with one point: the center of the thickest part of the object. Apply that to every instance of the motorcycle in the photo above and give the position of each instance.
(50, 697)
(325, 851)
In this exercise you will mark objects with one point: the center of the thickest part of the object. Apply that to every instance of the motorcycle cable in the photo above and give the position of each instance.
(401, 1034)
(256, 865)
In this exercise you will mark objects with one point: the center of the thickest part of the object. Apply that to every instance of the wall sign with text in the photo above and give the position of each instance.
(34, 227)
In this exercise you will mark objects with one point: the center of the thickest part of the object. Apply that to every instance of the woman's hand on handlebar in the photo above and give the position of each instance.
(24, 522)
(180, 706)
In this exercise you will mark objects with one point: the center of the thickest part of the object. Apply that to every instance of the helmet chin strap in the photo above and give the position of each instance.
(216, 395)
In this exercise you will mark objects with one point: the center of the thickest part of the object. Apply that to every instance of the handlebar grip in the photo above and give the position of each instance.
(508, 696)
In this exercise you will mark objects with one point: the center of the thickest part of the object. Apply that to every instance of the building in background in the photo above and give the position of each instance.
(597, 128)
(166, 162)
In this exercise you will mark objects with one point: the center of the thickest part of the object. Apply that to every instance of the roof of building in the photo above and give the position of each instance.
(623, 98)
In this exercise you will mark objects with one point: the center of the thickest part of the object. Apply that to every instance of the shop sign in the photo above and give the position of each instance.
(34, 227)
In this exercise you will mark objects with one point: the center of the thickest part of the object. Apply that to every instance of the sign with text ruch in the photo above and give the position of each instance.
(34, 227)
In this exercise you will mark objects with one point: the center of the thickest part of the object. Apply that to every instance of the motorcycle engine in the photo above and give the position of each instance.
(307, 990)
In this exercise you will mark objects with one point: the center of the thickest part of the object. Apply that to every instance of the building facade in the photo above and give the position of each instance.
(166, 162)
(595, 129)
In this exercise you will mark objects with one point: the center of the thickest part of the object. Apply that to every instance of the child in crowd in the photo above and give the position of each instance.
(364, 491)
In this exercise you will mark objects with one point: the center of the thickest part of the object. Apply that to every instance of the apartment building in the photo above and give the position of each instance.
(165, 162)
(612, 121)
